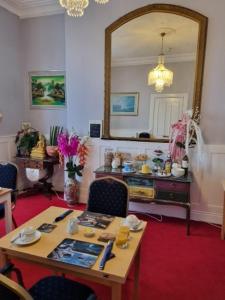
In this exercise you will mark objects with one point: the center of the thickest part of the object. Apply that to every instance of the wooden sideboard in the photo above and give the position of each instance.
(154, 189)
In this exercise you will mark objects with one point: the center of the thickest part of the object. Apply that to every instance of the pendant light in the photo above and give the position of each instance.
(75, 8)
(160, 76)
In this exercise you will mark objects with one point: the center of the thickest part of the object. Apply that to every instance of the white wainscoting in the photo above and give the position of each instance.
(206, 190)
(7, 148)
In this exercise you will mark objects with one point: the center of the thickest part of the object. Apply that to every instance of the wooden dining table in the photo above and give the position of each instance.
(5, 198)
(116, 269)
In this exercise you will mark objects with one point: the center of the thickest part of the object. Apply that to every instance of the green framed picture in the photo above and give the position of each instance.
(47, 90)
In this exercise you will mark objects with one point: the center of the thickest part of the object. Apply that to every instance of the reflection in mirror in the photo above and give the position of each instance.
(140, 99)
(135, 49)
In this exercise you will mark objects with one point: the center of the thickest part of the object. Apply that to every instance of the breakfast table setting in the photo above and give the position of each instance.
(97, 247)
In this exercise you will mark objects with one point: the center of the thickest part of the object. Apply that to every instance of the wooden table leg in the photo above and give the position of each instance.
(8, 213)
(136, 274)
(116, 291)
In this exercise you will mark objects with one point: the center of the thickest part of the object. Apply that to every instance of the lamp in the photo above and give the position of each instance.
(75, 8)
(160, 76)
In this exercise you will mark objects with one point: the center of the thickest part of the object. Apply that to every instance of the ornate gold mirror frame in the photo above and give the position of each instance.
(200, 57)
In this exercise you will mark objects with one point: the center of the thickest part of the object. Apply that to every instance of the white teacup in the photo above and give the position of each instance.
(27, 233)
(131, 221)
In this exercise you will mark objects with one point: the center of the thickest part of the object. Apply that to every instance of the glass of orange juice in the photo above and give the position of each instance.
(122, 237)
(124, 229)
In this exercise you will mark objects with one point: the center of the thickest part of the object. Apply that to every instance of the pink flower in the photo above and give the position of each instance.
(68, 145)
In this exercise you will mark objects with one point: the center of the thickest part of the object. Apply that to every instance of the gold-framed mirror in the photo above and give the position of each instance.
(138, 104)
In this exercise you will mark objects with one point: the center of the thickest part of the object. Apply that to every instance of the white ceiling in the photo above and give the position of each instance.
(139, 39)
(136, 42)
(32, 8)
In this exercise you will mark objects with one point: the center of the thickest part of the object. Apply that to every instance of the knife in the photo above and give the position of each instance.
(107, 255)
(62, 216)
(15, 238)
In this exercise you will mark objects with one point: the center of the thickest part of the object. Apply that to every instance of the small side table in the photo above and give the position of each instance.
(36, 163)
(223, 221)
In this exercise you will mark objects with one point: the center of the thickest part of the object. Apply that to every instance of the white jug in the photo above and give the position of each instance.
(116, 163)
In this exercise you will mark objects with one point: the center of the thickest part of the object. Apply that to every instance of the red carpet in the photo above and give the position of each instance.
(173, 266)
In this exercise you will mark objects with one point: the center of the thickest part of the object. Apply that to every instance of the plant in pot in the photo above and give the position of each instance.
(25, 140)
(52, 148)
(72, 154)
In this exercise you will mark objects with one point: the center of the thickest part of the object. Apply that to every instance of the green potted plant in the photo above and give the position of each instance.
(52, 148)
(25, 140)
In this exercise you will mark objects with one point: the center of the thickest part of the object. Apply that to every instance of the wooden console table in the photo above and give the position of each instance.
(40, 164)
(154, 189)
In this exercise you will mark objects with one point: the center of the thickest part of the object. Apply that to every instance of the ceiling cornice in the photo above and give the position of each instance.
(32, 8)
(137, 61)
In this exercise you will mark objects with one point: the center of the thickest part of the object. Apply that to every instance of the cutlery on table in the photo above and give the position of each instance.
(16, 238)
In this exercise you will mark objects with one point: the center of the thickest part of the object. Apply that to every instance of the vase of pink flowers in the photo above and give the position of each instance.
(73, 152)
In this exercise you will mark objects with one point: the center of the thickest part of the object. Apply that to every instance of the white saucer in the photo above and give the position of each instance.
(21, 242)
(136, 228)
(130, 171)
(160, 175)
(144, 173)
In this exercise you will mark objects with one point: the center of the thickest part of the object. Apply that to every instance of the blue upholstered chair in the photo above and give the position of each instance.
(108, 195)
(8, 179)
(48, 288)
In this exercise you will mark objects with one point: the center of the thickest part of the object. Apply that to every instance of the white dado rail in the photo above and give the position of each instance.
(206, 191)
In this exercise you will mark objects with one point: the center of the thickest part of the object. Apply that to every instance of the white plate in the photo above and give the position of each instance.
(21, 242)
(168, 175)
(144, 173)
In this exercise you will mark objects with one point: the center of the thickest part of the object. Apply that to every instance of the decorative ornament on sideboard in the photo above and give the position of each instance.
(26, 139)
(186, 134)
(74, 151)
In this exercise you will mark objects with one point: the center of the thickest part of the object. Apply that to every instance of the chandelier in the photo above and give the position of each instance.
(160, 76)
(75, 8)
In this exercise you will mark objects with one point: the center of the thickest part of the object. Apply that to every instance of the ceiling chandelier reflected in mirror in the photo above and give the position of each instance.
(160, 76)
(75, 8)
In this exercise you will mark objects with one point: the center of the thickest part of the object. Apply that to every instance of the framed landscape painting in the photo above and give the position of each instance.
(47, 89)
(124, 104)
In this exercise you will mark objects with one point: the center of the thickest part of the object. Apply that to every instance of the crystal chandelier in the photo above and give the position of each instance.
(160, 76)
(75, 8)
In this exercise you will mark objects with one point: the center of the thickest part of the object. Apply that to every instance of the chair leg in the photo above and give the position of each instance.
(19, 276)
(9, 268)
(14, 222)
